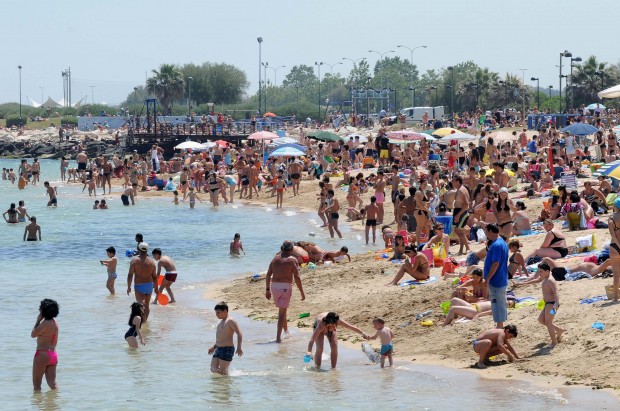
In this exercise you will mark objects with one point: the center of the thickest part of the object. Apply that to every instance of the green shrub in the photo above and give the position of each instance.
(14, 120)
(69, 121)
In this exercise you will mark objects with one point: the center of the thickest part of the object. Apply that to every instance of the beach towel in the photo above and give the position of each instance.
(594, 299)
(416, 282)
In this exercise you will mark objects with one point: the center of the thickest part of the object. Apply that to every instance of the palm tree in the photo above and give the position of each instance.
(586, 80)
(167, 84)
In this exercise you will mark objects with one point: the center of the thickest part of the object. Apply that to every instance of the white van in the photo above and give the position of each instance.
(414, 114)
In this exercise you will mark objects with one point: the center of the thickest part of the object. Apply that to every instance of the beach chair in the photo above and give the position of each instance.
(533, 172)
(569, 180)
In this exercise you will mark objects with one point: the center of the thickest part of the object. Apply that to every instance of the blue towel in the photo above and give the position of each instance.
(416, 282)
(594, 299)
(522, 299)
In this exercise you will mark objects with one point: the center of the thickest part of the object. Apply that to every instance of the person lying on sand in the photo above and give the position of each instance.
(471, 311)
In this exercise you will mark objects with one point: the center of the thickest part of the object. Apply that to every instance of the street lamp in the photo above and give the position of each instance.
(368, 101)
(505, 84)
(451, 69)
(537, 80)
(602, 75)
(275, 81)
(434, 105)
(572, 87)
(353, 85)
(411, 50)
(477, 86)
(566, 54)
(92, 95)
(20, 93)
(523, 70)
(382, 76)
(260, 62)
(318, 65)
(265, 65)
(550, 87)
(331, 73)
(189, 96)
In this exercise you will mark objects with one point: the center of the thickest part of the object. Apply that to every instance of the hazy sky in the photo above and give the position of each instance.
(112, 44)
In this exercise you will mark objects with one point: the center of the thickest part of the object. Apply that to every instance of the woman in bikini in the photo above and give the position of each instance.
(521, 220)
(422, 212)
(516, 260)
(440, 238)
(485, 212)
(479, 290)
(614, 246)
(326, 326)
(554, 244)
(322, 197)
(416, 266)
(213, 185)
(503, 206)
(470, 311)
(12, 213)
(45, 330)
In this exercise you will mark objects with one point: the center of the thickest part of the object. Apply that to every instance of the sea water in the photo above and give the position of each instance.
(97, 371)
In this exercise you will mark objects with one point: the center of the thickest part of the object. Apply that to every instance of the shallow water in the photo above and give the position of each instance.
(96, 369)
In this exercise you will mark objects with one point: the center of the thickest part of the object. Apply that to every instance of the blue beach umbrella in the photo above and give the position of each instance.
(593, 106)
(580, 129)
(287, 152)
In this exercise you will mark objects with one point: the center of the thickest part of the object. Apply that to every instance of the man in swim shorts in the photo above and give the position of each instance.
(224, 349)
(493, 342)
(461, 212)
(279, 284)
(165, 262)
(143, 268)
(52, 193)
(128, 194)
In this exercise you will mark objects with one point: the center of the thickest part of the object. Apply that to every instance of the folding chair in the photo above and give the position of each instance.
(569, 180)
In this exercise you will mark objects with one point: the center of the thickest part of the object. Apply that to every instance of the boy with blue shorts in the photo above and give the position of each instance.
(385, 335)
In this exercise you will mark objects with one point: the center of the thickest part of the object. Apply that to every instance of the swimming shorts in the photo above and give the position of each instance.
(474, 344)
(386, 348)
(335, 216)
(245, 181)
(281, 293)
(380, 197)
(371, 223)
(394, 195)
(81, 166)
(125, 200)
(472, 259)
(171, 276)
(462, 221)
(146, 288)
(54, 201)
(384, 154)
(224, 353)
(112, 276)
(22, 219)
(295, 176)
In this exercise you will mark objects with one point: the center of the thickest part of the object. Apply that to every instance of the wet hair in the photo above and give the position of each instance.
(156, 251)
(221, 306)
(237, 235)
(111, 250)
(520, 205)
(175, 192)
(514, 243)
(49, 309)
(344, 249)
(137, 309)
(493, 228)
(330, 191)
(512, 329)
(544, 266)
(459, 179)
(331, 318)
(139, 237)
(379, 320)
(412, 191)
(21, 203)
(373, 199)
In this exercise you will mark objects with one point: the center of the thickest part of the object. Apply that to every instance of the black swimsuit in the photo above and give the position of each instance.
(562, 250)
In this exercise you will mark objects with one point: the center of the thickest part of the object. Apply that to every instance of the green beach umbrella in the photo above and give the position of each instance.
(325, 136)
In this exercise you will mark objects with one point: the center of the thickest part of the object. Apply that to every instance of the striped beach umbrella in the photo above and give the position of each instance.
(608, 169)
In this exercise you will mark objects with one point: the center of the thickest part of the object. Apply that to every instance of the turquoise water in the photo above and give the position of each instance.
(96, 369)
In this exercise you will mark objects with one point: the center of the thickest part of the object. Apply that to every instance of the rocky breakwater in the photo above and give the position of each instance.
(45, 144)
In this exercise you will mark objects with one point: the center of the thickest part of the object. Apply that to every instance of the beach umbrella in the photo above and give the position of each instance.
(607, 169)
(222, 143)
(293, 145)
(287, 152)
(580, 129)
(263, 135)
(406, 135)
(429, 132)
(269, 114)
(501, 136)
(284, 140)
(209, 144)
(444, 131)
(459, 137)
(194, 145)
(362, 139)
(593, 106)
(325, 136)
(611, 92)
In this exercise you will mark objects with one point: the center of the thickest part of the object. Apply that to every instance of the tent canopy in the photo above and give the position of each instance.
(611, 92)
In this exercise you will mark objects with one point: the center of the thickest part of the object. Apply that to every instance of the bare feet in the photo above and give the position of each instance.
(558, 335)
(480, 366)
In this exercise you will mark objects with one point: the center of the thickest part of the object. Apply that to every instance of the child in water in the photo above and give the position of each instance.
(110, 263)
(385, 335)
(136, 318)
(236, 245)
(176, 197)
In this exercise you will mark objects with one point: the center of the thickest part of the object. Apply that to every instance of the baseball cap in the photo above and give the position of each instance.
(143, 247)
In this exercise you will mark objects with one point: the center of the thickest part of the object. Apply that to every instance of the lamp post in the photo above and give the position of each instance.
(537, 80)
(92, 95)
(318, 65)
(260, 62)
(189, 96)
(275, 80)
(523, 70)
(20, 93)
(353, 77)
(368, 101)
(505, 84)
(567, 54)
(602, 75)
(572, 88)
(451, 69)
(331, 73)
(434, 105)
(477, 86)
(265, 65)
(411, 50)
(382, 76)
(550, 88)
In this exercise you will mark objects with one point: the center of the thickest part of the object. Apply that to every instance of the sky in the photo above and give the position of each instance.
(112, 45)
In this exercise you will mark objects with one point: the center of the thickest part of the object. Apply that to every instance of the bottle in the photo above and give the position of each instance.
(552, 312)
(304, 315)
(424, 314)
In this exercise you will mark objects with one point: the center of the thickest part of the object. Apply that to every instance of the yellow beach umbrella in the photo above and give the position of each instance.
(442, 132)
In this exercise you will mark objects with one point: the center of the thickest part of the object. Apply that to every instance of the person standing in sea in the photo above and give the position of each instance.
(165, 262)
(496, 274)
(282, 271)
(51, 192)
(45, 330)
(224, 349)
(143, 269)
(81, 159)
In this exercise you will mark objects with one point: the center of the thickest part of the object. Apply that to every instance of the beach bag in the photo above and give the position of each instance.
(439, 254)
(449, 266)
(574, 220)
(482, 237)
(586, 243)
